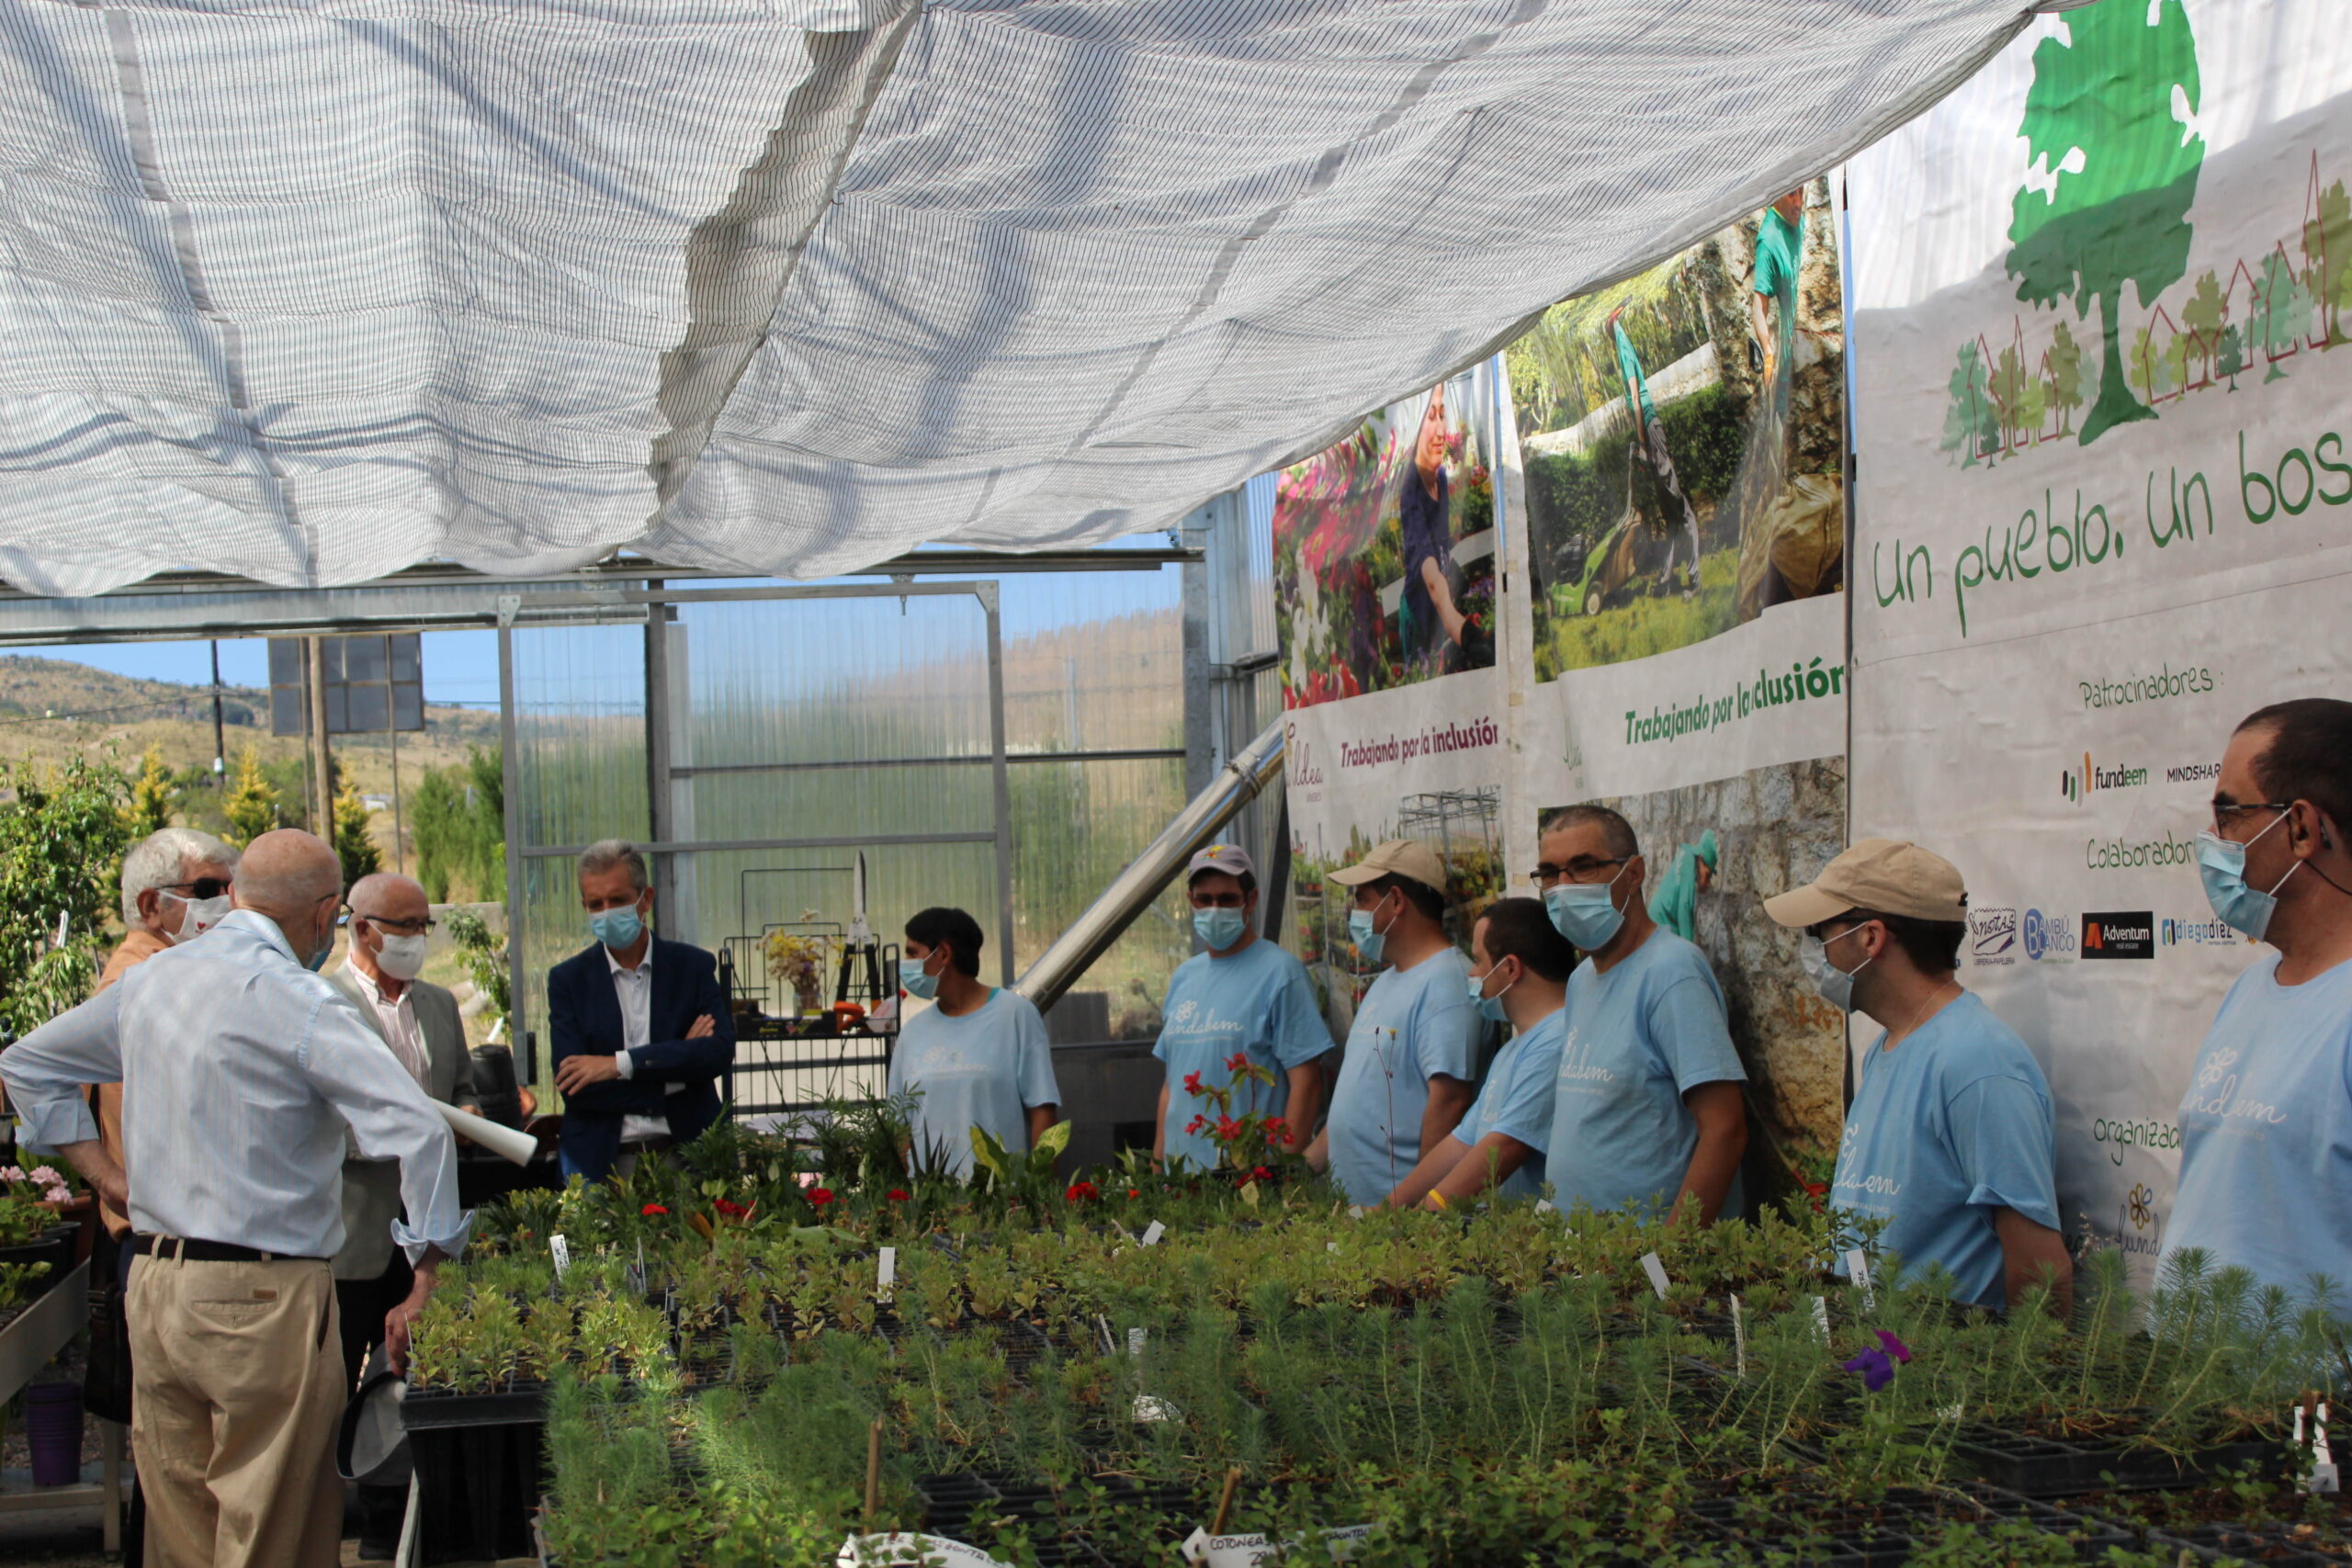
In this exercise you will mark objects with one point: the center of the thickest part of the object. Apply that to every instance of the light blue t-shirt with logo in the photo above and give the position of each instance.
(2265, 1130)
(1638, 1039)
(1258, 1001)
(1412, 1024)
(1517, 1100)
(1949, 1127)
(984, 1069)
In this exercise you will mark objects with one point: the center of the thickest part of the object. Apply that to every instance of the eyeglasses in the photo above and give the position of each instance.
(2225, 809)
(1584, 868)
(398, 928)
(201, 888)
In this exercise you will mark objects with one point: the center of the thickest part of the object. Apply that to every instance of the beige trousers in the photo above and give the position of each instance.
(237, 1385)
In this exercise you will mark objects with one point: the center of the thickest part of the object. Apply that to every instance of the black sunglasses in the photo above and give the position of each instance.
(201, 888)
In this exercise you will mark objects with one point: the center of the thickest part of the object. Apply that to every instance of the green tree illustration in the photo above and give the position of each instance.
(2100, 118)
(2203, 315)
(2327, 255)
(1972, 427)
(2066, 376)
(2016, 395)
(2233, 359)
(2147, 372)
(2280, 314)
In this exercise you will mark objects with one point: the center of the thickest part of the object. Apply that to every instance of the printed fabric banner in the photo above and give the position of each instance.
(1385, 550)
(2102, 377)
(1679, 442)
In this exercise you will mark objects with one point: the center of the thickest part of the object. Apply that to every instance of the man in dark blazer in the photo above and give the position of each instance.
(642, 1033)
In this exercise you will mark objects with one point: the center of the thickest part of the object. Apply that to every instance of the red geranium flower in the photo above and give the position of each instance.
(821, 1196)
(898, 1194)
(1277, 1128)
(1262, 1174)
(1238, 1061)
(1191, 1083)
(1133, 1193)
(652, 1208)
(730, 1207)
(1193, 1128)
(1082, 1192)
(1228, 1129)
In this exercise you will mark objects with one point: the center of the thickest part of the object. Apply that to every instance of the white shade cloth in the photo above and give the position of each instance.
(307, 292)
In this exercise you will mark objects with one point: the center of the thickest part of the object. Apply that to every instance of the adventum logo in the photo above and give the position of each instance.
(2125, 933)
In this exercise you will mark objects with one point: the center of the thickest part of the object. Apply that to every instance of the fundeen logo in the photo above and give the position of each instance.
(2076, 782)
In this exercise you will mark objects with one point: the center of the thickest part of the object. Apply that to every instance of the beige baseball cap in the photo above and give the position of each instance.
(1886, 876)
(1396, 857)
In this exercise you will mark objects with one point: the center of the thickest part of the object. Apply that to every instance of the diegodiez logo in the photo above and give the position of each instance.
(2120, 933)
(2076, 782)
(2048, 938)
(2200, 933)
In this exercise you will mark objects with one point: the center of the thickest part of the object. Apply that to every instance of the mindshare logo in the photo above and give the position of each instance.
(2076, 782)
(1993, 936)
(2049, 939)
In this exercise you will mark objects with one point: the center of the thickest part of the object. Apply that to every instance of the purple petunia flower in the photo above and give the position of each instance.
(1876, 1370)
(1894, 1348)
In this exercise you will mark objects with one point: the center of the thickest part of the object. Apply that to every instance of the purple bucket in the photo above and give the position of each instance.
(53, 1432)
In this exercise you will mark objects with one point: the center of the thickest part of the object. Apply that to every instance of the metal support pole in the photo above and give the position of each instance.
(988, 597)
(657, 808)
(1201, 756)
(511, 798)
(322, 754)
(220, 736)
(392, 735)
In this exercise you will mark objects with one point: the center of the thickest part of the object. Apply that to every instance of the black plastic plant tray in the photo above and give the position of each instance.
(1891, 1530)
(2052, 1467)
(506, 1407)
(2250, 1543)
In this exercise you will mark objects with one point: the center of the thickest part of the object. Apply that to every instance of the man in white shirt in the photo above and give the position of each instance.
(391, 922)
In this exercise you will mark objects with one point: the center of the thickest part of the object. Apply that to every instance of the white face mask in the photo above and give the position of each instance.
(401, 957)
(197, 915)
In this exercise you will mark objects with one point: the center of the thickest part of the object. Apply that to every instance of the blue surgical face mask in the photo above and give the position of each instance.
(617, 929)
(1836, 984)
(1220, 927)
(1586, 912)
(2221, 865)
(1489, 1008)
(916, 981)
(1370, 941)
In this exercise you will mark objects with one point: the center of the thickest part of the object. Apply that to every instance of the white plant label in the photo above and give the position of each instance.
(2324, 1477)
(1545, 1206)
(1821, 1317)
(1331, 1246)
(1355, 1210)
(1152, 1232)
(1136, 1338)
(1151, 1408)
(1858, 1270)
(1248, 1550)
(886, 1269)
(560, 1250)
(894, 1550)
(1738, 1339)
(1657, 1271)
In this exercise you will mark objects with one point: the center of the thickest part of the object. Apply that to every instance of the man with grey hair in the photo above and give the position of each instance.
(641, 1030)
(243, 1069)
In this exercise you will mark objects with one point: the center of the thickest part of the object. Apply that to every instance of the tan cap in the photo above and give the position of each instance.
(1396, 857)
(1886, 876)
(1231, 859)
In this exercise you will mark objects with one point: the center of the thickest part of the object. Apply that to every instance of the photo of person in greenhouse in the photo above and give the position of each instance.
(1385, 551)
(975, 1059)
(1950, 1138)
(1682, 438)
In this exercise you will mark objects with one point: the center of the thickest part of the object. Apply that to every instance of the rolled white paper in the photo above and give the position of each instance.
(504, 1142)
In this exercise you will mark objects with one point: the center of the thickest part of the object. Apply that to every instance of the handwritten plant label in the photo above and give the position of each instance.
(896, 1551)
(1152, 1232)
(560, 1250)
(1136, 1338)
(1657, 1271)
(1249, 1550)
(1739, 1338)
(886, 1269)
(2324, 1477)
(1858, 1270)
(1821, 1317)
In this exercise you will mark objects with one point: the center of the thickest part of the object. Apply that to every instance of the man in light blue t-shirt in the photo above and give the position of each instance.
(1949, 1141)
(1405, 1080)
(1649, 1108)
(2266, 1123)
(1243, 997)
(1519, 975)
(977, 1058)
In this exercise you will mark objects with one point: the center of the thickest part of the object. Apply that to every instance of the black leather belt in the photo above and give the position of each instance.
(209, 1251)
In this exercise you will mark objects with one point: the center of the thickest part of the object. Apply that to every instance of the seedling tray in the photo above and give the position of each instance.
(506, 1407)
(2248, 1543)
(2054, 1467)
(1892, 1529)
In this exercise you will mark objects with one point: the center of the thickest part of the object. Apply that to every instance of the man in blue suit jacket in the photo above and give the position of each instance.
(642, 1033)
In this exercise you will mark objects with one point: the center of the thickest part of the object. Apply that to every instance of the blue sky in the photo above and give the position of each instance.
(461, 666)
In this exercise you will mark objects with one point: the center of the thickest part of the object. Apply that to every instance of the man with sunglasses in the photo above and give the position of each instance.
(1648, 1109)
(1951, 1139)
(2266, 1125)
(391, 922)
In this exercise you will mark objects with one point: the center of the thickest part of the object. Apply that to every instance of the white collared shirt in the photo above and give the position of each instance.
(401, 1032)
(633, 988)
